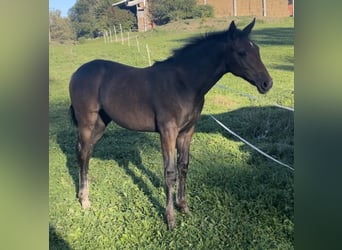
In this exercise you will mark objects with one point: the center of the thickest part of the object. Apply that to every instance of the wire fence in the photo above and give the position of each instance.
(249, 144)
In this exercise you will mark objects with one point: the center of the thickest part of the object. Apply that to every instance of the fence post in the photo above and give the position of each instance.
(138, 45)
(128, 42)
(122, 39)
(116, 38)
(148, 55)
(110, 36)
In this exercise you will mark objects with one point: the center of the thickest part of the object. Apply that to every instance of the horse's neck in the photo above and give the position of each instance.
(202, 73)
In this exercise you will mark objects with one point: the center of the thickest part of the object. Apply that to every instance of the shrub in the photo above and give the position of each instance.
(203, 11)
(164, 11)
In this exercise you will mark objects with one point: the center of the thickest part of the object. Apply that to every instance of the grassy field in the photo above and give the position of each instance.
(238, 198)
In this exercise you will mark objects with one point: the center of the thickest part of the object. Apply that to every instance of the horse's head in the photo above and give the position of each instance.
(245, 58)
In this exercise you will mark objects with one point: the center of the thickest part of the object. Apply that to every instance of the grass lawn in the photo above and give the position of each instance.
(238, 198)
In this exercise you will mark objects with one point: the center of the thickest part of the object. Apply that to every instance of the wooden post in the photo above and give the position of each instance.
(110, 36)
(128, 42)
(148, 55)
(138, 45)
(122, 39)
(264, 8)
(116, 38)
(234, 8)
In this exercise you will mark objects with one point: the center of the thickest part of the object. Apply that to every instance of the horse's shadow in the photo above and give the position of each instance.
(56, 241)
(264, 126)
(258, 180)
(122, 146)
(270, 128)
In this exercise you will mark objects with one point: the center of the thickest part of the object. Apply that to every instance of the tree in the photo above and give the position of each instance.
(60, 29)
(164, 11)
(82, 17)
(90, 17)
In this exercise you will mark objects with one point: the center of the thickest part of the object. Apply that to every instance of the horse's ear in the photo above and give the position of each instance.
(231, 30)
(247, 30)
(232, 27)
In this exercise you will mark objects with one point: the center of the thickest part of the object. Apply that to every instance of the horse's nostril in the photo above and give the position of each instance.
(266, 84)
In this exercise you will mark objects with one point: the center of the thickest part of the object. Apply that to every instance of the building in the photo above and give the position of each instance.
(143, 17)
(269, 8)
(222, 8)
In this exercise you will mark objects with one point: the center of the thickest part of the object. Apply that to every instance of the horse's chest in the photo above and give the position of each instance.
(190, 114)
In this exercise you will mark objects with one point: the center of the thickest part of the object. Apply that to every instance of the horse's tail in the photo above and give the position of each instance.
(72, 115)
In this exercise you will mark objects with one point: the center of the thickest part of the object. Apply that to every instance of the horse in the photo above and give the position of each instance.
(166, 98)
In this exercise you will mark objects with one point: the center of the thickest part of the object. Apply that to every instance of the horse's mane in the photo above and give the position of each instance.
(195, 41)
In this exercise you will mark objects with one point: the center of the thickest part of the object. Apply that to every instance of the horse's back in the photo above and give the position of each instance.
(108, 86)
(90, 76)
(86, 82)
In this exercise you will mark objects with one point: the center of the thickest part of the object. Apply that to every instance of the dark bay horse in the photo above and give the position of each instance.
(167, 98)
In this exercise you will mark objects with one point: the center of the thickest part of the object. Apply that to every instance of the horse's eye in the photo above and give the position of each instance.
(242, 53)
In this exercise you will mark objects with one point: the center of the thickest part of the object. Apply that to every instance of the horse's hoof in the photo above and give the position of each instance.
(85, 204)
(183, 207)
(171, 224)
(171, 221)
(184, 210)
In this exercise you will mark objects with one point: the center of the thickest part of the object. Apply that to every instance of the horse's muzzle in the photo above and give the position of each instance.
(264, 86)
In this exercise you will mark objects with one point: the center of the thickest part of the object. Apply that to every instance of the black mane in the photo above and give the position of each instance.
(199, 40)
(196, 41)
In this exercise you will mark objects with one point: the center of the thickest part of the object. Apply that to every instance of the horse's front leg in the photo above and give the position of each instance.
(183, 147)
(168, 142)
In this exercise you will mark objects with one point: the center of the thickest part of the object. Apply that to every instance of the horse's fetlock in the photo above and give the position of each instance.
(184, 171)
(170, 218)
(170, 173)
(171, 182)
(183, 206)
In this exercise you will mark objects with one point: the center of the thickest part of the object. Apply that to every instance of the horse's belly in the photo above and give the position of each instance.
(138, 120)
(136, 125)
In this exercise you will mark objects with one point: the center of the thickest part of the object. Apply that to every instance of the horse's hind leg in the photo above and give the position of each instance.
(183, 147)
(89, 132)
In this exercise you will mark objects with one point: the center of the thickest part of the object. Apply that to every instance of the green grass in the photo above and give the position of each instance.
(238, 198)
